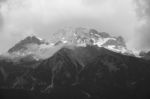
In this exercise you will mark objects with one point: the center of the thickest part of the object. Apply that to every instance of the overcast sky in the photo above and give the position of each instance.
(128, 18)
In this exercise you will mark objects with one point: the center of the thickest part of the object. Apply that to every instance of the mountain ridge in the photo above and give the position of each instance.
(76, 37)
(104, 75)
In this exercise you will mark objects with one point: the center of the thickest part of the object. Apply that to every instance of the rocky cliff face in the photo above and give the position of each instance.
(82, 37)
(22, 45)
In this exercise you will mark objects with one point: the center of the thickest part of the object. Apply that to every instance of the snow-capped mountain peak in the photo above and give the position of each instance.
(79, 37)
(83, 37)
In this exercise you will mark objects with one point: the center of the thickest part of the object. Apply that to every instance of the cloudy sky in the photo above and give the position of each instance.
(128, 18)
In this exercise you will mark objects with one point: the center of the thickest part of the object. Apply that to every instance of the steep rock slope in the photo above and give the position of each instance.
(87, 72)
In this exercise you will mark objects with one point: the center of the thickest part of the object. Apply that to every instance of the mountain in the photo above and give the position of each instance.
(29, 49)
(82, 37)
(22, 46)
(78, 72)
(35, 48)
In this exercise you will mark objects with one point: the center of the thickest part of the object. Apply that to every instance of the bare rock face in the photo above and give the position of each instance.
(26, 49)
(22, 45)
(83, 37)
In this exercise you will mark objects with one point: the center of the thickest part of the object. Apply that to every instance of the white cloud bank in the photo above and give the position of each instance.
(19, 18)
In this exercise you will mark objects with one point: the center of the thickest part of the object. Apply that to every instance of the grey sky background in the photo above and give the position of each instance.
(128, 18)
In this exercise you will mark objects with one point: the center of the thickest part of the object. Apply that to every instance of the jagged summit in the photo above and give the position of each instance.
(27, 48)
(22, 45)
(78, 37)
(83, 37)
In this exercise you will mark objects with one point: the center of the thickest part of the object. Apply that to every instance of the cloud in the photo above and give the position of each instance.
(1, 19)
(20, 18)
(143, 30)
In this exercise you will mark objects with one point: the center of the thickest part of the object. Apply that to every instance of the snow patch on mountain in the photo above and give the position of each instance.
(38, 48)
(83, 37)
